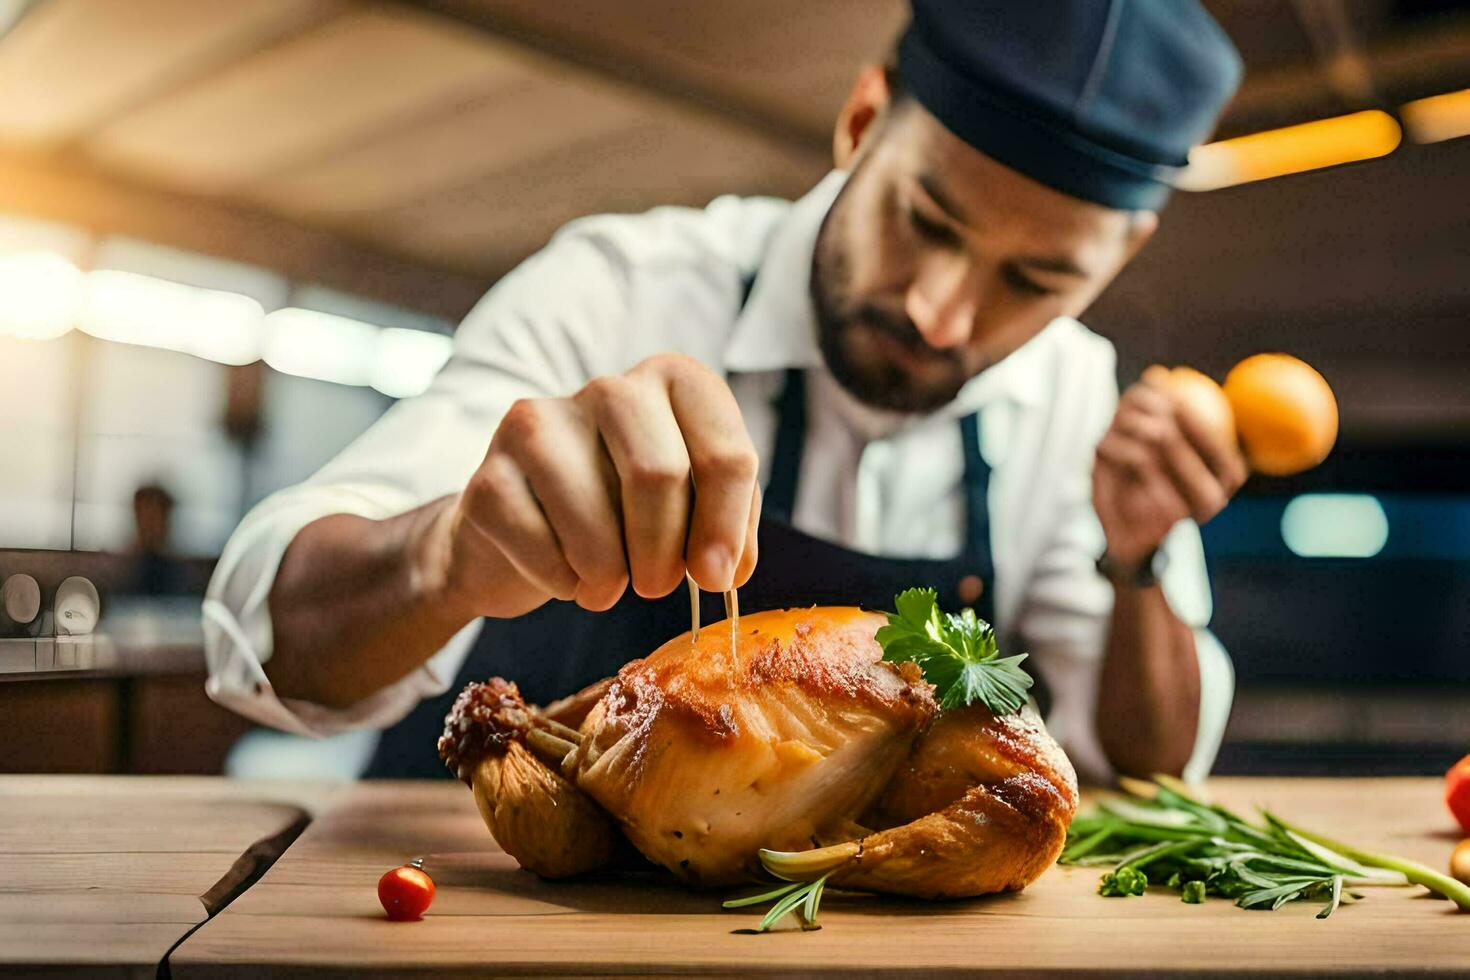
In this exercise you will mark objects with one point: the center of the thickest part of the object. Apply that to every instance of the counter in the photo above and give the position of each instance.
(314, 912)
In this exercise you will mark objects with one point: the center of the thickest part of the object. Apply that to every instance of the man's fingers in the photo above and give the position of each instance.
(1147, 478)
(558, 449)
(1155, 376)
(1127, 454)
(1225, 461)
(1192, 479)
(647, 450)
(613, 471)
(499, 504)
(724, 466)
(1148, 397)
(1155, 395)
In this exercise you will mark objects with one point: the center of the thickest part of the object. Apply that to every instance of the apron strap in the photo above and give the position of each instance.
(977, 492)
(780, 493)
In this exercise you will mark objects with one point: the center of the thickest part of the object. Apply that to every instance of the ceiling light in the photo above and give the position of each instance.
(41, 292)
(321, 346)
(1290, 150)
(1334, 525)
(1439, 117)
(123, 254)
(406, 361)
(128, 308)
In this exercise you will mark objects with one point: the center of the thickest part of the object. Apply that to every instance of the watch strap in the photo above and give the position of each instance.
(1143, 574)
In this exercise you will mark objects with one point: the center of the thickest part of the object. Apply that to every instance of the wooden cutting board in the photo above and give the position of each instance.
(103, 875)
(316, 911)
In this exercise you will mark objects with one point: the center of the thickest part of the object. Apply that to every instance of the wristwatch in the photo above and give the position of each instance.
(1144, 574)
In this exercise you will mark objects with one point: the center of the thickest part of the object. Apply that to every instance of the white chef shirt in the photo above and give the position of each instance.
(608, 291)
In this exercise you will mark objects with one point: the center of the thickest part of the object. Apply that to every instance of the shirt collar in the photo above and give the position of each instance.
(777, 328)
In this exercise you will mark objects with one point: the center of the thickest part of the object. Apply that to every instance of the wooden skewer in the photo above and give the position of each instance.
(732, 612)
(693, 609)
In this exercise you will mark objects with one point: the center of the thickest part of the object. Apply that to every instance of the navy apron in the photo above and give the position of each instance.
(560, 648)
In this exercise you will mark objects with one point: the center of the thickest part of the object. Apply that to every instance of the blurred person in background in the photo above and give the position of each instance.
(881, 385)
(153, 568)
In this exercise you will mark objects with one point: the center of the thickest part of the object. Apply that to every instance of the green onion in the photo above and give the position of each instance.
(1199, 849)
(1412, 870)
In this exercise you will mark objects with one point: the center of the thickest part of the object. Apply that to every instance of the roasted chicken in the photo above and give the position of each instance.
(798, 744)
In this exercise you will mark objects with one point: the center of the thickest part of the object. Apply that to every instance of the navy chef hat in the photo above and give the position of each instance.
(1100, 99)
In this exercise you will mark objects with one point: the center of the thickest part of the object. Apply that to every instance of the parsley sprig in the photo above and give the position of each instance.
(1162, 834)
(957, 653)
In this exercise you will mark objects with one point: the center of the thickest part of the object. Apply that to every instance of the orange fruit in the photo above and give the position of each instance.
(1204, 400)
(1284, 411)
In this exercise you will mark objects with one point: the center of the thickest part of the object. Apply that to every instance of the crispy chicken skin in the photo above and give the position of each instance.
(982, 805)
(705, 758)
(800, 740)
(537, 815)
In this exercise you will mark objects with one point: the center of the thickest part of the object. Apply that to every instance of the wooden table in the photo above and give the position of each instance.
(103, 875)
(315, 912)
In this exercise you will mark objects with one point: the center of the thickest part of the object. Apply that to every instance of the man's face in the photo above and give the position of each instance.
(935, 262)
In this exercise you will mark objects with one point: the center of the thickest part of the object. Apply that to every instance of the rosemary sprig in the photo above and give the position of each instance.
(802, 899)
(1161, 834)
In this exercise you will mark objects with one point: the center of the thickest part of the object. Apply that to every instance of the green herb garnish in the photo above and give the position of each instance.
(1124, 881)
(1200, 849)
(957, 653)
(799, 898)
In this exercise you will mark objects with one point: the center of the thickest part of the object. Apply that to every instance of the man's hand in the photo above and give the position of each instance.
(637, 477)
(1157, 465)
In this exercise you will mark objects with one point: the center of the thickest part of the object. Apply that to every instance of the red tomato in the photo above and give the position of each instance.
(405, 893)
(1457, 792)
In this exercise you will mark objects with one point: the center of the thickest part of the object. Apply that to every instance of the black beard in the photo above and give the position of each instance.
(872, 381)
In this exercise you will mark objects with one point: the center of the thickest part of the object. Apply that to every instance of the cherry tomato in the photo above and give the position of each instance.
(1457, 792)
(405, 893)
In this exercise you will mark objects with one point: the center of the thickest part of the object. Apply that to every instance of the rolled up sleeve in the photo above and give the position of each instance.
(238, 628)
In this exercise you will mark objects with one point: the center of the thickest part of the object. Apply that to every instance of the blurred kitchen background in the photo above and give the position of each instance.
(232, 233)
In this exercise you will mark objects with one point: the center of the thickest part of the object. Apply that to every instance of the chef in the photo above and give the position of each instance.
(880, 385)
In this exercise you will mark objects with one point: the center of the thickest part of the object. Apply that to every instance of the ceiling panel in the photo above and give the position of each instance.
(69, 64)
(673, 158)
(415, 149)
(303, 99)
(791, 62)
(488, 133)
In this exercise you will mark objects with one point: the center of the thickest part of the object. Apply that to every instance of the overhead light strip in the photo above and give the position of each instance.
(1323, 143)
(46, 296)
(1292, 149)
(1438, 118)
